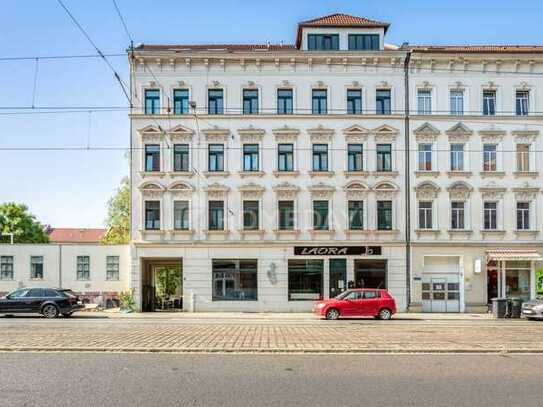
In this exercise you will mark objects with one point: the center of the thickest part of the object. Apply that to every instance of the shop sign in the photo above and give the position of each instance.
(337, 250)
(539, 281)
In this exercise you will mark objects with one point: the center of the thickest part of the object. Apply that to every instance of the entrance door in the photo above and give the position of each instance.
(162, 285)
(441, 284)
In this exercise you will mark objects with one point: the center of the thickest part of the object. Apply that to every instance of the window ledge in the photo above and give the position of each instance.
(216, 173)
(252, 231)
(321, 173)
(387, 232)
(459, 173)
(328, 232)
(492, 174)
(427, 231)
(530, 174)
(493, 232)
(526, 232)
(356, 173)
(244, 174)
(152, 231)
(286, 231)
(181, 174)
(427, 173)
(460, 231)
(36, 279)
(385, 173)
(286, 173)
(181, 231)
(217, 232)
(144, 174)
(357, 231)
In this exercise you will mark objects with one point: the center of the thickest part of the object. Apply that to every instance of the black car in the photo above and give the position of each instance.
(50, 302)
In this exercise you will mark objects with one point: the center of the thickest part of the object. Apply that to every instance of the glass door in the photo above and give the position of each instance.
(338, 276)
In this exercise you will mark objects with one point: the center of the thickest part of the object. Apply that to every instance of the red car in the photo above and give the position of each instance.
(357, 302)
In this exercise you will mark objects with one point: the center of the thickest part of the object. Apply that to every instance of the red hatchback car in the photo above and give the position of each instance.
(357, 302)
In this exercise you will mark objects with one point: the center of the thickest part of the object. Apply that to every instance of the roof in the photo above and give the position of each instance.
(513, 254)
(339, 20)
(216, 47)
(491, 49)
(76, 235)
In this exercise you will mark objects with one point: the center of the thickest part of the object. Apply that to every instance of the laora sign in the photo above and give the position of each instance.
(337, 250)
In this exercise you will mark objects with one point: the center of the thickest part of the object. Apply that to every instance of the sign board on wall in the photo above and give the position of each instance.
(337, 250)
(539, 282)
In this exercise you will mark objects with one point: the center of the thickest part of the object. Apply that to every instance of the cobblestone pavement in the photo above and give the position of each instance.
(273, 334)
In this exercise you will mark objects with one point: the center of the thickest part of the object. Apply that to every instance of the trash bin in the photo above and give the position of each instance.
(516, 307)
(499, 307)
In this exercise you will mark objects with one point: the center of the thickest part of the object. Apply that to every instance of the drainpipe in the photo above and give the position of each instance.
(60, 265)
(407, 176)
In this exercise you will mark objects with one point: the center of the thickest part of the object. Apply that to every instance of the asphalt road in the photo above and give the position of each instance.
(88, 379)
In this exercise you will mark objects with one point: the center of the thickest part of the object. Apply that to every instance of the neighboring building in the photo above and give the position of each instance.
(97, 272)
(75, 235)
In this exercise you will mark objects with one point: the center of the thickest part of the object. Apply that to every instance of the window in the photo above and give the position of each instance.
(181, 157)
(425, 157)
(489, 102)
(523, 157)
(523, 215)
(50, 293)
(319, 98)
(320, 215)
(152, 157)
(216, 157)
(382, 101)
(384, 215)
(83, 268)
(250, 157)
(234, 280)
(490, 215)
(322, 42)
(320, 157)
(216, 215)
(457, 157)
(36, 267)
(40, 292)
(152, 101)
(457, 102)
(305, 280)
(6, 267)
(458, 215)
(338, 276)
(284, 101)
(152, 215)
(354, 157)
(250, 215)
(425, 215)
(363, 42)
(180, 101)
(286, 215)
(112, 268)
(384, 157)
(181, 215)
(522, 102)
(354, 101)
(489, 157)
(356, 215)
(215, 101)
(285, 157)
(424, 98)
(250, 101)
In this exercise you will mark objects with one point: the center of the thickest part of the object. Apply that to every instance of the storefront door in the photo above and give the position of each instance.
(441, 284)
(370, 273)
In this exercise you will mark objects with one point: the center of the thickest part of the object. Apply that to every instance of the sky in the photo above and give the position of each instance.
(70, 188)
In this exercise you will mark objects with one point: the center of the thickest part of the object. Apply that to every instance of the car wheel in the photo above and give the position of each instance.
(332, 314)
(385, 314)
(50, 311)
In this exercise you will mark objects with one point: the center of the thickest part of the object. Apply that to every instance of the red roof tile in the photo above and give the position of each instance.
(75, 235)
(494, 49)
(339, 20)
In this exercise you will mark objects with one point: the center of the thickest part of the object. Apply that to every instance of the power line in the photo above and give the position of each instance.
(123, 22)
(121, 82)
(46, 57)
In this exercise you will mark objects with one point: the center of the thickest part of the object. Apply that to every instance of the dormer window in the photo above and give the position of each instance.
(322, 42)
(364, 42)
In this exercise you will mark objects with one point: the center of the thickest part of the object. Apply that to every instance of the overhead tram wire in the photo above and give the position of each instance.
(46, 57)
(123, 22)
(117, 77)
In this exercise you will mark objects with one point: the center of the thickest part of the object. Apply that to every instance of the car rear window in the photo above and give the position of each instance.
(67, 293)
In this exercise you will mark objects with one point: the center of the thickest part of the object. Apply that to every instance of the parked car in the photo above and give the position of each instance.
(50, 302)
(533, 309)
(376, 303)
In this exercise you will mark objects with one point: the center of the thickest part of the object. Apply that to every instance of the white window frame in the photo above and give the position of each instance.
(466, 214)
(432, 215)
(463, 99)
(530, 215)
(499, 218)
(464, 156)
(426, 152)
(428, 101)
(173, 213)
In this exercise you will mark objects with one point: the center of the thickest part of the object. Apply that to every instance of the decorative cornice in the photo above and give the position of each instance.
(427, 190)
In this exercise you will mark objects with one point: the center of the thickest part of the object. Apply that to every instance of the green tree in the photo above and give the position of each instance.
(167, 281)
(118, 215)
(15, 218)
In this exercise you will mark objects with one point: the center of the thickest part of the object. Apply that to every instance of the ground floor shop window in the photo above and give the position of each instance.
(234, 280)
(305, 280)
(370, 273)
(517, 279)
(338, 276)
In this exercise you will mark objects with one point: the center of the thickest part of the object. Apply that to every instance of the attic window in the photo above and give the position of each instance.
(363, 42)
(322, 42)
